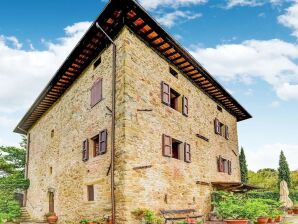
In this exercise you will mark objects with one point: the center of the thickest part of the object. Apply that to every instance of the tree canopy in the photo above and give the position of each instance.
(284, 170)
(243, 166)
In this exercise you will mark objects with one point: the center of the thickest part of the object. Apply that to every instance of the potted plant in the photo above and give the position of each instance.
(295, 209)
(51, 217)
(147, 216)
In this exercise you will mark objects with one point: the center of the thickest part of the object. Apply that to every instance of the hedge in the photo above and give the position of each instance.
(271, 195)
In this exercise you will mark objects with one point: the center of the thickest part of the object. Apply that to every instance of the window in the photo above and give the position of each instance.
(219, 108)
(85, 150)
(173, 99)
(173, 72)
(221, 129)
(96, 92)
(224, 165)
(52, 133)
(95, 141)
(175, 149)
(90, 192)
(100, 143)
(97, 63)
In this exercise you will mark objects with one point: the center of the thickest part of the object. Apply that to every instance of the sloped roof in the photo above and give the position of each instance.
(116, 15)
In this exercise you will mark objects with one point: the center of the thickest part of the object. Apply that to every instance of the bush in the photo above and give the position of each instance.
(147, 215)
(240, 206)
(273, 195)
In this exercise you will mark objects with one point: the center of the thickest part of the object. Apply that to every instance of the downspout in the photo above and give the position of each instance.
(113, 124)
(27, 164)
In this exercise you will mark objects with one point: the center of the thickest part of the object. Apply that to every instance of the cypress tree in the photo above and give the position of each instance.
(243, 166)
(283, 170)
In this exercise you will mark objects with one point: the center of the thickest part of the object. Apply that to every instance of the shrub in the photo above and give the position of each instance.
(147, 215)
(240, 206)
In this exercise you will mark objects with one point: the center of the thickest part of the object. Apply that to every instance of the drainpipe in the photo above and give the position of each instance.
(27, 164)
(113, 124)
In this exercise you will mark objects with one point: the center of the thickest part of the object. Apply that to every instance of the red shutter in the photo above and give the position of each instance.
(85, 150)
(167, 146)
(103, 141)
(96, 92)
(185, 106)
(187, 153)
(227, 134)
(217, 126)
(165, 93)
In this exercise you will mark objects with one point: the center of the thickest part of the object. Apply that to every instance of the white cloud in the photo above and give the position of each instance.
(273, 61)
(268, 156)
(154, 4)
(275, 104)
(23, 74)
(290, 18)
(251, 3)
(20, 69)
(172, 18)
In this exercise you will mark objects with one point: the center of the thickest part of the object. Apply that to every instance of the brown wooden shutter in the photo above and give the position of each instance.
(167, 145)
(187, 153)
(86, 150)
(165, 93)
(185, 106)
(217, 126)
(227, 134)
(103, 141)
(229, 167)
(90, 191)
(96, 92)
(220, 164)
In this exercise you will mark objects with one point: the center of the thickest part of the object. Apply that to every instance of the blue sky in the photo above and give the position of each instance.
(250, 46)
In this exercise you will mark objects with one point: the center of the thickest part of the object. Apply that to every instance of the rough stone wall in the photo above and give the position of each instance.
(73, 120)
(169, 183)
(140, 72)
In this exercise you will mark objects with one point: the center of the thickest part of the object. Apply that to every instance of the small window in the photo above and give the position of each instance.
(173, 72)
(51, 170)
(52, 133)
(95, 142)
(97, 63)
(224, 165)
(175, 100)
(222, 129)
(90, 192)
(176, 147)
(219, 108)
(96, 92)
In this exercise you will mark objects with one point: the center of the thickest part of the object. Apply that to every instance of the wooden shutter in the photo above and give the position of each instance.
(85, 150)
(167, 145)
(217, 126)
(229, 167)
(185, 106)
(103, 141)
(220, 164)
(227, 134)
(96, 92)
(187, 153)
(90, 192)
(165, 93)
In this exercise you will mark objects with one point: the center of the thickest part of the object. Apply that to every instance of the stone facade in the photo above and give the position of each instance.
(141, 120)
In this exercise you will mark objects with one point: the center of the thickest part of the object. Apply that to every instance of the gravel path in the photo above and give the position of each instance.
(291, 220)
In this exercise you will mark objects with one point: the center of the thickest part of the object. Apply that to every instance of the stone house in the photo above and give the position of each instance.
(129, 122)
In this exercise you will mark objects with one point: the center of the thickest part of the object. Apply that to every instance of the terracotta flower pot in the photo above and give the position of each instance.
(262, 220)
(290, 211)
(295, 210)
(278, 219)
(236, 221)
(52, 219)
(270, 220)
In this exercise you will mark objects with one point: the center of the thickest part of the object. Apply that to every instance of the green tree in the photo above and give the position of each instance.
(12, 179)
(243, 166)
(283, 170)
(265, 178)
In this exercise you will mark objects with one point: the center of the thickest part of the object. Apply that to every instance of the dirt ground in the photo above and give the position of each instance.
(291, 220)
